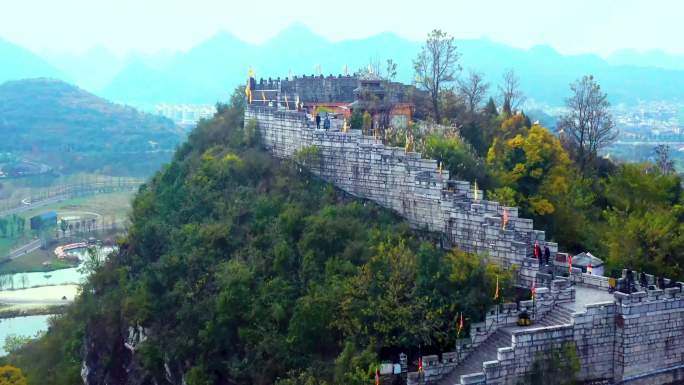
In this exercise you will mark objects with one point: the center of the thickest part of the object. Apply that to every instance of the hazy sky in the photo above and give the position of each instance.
(577, 26)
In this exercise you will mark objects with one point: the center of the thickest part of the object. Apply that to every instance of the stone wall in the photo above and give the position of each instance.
(594, 337)
(436, 367)
(513, 362)
(633, 340)
(650, 330)
(591, 332)
(407, 183)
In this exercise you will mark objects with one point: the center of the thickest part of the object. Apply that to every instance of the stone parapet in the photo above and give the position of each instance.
(407, 183)
(636, 337)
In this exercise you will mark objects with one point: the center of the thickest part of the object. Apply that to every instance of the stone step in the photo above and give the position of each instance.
(556, 316)
(487, 351)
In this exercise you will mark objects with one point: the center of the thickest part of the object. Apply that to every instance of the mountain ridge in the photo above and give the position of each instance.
(18, 62)
(58, 123)
(208, 71)
(545, 73)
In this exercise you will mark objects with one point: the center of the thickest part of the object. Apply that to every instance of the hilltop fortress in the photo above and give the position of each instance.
(619, 338)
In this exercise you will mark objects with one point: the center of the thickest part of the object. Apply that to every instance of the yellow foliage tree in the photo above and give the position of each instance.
(9, 375)
(512, 125)
(534, 165)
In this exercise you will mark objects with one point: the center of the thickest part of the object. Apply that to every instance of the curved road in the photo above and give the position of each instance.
(89, 189)
(24, 249)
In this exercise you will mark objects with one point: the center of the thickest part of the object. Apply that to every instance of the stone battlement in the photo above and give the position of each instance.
(625, 340)
(407, 183)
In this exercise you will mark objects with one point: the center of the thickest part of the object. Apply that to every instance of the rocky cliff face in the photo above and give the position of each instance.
(121, 365)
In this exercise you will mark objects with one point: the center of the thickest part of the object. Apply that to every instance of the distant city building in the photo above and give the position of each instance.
(185, 115)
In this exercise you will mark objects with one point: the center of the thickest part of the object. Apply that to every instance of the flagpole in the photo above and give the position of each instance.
(458, 335)
(497, 300)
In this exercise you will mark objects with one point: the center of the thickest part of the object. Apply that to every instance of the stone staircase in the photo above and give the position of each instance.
(559, 315)
(487, 351)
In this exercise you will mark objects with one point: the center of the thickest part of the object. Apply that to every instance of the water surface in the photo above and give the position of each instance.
(21, 326)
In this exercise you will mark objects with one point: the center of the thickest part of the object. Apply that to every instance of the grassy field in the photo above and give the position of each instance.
(16, 189)
(108, 205)
(7, 244)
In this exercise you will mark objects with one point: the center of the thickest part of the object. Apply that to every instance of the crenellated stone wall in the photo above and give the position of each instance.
(649, 327)
(407, 183)
(635, 339)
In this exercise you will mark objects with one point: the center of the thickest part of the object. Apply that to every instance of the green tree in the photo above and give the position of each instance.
(640, 187)
(356, 120)
(309, 155)
(457, 157)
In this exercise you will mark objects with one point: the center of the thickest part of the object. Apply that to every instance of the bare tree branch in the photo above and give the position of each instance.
(436, 65)
(588, 125)
(473, 89)
(510, 93)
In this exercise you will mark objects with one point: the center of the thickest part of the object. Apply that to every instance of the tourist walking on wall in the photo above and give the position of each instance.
(326, 123)
(547, 255)
(643, 281)
(537, 252)
(630, 281)
(318, 121)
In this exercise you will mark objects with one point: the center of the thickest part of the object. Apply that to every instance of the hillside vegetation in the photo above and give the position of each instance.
(244, 269)
(65, 126)
(247, 270)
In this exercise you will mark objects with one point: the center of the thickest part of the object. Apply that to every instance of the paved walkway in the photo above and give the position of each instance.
(24, 249)
(586, 295)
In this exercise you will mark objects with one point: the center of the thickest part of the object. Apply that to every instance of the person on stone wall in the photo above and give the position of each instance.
(318, 121)
(643, 281)
(547, 255)
(537, 252)
(326, 122)
(630, 280)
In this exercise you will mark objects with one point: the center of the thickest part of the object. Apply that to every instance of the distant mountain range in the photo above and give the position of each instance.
(652, 58)
(209, 71)
(19, 63)
(54, 122)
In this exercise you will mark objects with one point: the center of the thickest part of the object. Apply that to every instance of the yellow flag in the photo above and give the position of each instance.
(248, 87)
(496, 293)
(248, 92)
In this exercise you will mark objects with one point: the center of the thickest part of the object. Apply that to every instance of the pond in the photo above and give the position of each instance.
(55, 277)
(30, 325)
(21, 326)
